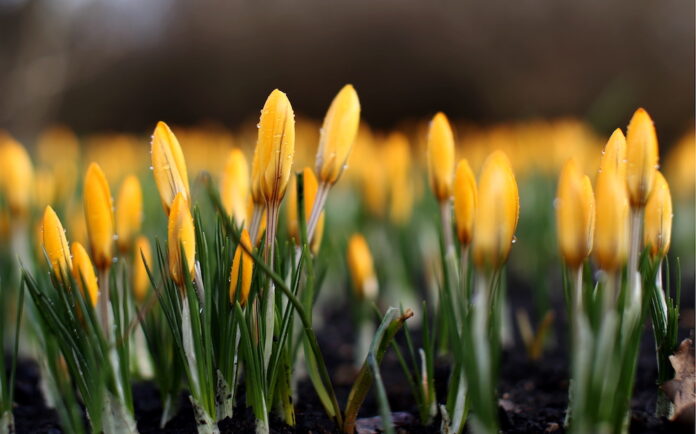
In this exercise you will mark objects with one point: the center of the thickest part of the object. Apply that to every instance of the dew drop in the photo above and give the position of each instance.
(514, 239)
(152, 168)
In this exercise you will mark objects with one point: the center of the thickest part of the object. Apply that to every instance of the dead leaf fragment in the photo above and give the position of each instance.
(682, 389)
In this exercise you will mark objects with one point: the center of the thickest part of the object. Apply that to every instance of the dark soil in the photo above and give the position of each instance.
(533, 394)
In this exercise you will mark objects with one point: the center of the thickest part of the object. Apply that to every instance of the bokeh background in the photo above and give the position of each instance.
(123, 65)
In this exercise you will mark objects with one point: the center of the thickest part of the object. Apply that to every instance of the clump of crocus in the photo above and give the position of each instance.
(242, 264)
(310, 185)
(181, 237)
(575, 215)
(56, 244)
(441, 169)
(336, 139)
(234, 186)
(129, 212)
(83, 273)
(169, 166)
(142, 256)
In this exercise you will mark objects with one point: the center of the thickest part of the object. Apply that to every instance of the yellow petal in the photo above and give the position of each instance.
(441, 157)
(246, 262)
(16, 175)
(234, 186)
(129, 212)
(641, 157)
(464, 201)
(99, 216)
(657, 232)
(181, 234)
(275, 147)
(169, 166)
(610, 247)
(310, 193)
(338, 134)
(84, 271)
(55, 244)
(397, 158)
(614, 155)
(141, 281)
(574, 214)
(361, 268)
(497, 212)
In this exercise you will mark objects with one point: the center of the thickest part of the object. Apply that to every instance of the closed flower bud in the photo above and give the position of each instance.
(440, 157)
(642, 158)
(83, 273)
(575, 214)
(246, 262)
(310, 192)
(234, 186)
(361, 269)
(55, 244)
(657, 233)
(610, 247)
(497, 212)
(337, 135)
(16, 176)
(181, 235)
(275, 148)
(169, 166)
(464, 202)
(99, 216)
(129, 212)
(614, 155)
(142, 256)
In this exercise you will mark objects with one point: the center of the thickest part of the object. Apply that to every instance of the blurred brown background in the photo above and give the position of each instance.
(126, 64)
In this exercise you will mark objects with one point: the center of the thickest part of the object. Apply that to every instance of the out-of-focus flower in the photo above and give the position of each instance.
(141, 256)
(641, 158)
(464, 202)
(244, 261)
(610, 247)
(575, 214)
(99, 216)
(16, 175)
(497, 212)
(129, 212)
(337, 135)
(44, 187)
(681, 166)
(181, 235)
(441, 157)
(397, 157)
(83, 273)
(59, 150)
(234, 186)
(657, 233)
(361, 268)
(169, 166)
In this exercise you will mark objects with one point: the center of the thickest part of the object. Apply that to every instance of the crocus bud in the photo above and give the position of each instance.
(83, 273)
(16, 176)
(234, 186)
(310, 192)
(246, 262)
(610, 247)
(129, 212)
(275, 147)
(361, 269)
(440, 157)
(657, 233)
(575, 214)
(181, 234)
(464, 202)
(614, 155)
(169, 166)
(642, 158)
(142, 256)
(99, 216)
(337, 135)
(497, 212)
(55, 244)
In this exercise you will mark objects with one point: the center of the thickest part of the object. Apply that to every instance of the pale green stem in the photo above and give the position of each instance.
(634, 253)
(446, 218)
